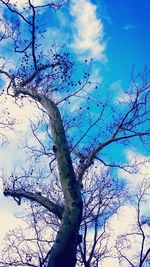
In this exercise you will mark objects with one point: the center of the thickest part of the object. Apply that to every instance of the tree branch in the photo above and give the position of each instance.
(15, 11)
(43, 201)
(145, 256)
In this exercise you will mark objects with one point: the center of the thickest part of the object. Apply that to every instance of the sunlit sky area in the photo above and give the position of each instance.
(116, 35)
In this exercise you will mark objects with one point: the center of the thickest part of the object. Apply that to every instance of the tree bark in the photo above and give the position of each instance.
(63, 252)
(43, 201)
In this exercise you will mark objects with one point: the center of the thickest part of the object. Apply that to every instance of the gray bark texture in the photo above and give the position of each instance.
(63, 252)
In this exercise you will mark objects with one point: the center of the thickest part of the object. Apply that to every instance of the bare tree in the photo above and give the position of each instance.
(6, 124)
(134, 247)
(77, 138)
(101, 199)
(28, 246)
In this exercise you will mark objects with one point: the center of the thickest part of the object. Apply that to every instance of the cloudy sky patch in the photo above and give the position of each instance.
(88, 30)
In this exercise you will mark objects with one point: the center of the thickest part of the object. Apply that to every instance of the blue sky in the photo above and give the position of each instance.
(115, 33)
(125, 35)
(128, 32)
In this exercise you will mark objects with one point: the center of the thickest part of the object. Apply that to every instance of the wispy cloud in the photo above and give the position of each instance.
(122, 96)
(142, 168)
(21, 4)
(128, 27)
(88, 30)
(8, 220)
(116, 86)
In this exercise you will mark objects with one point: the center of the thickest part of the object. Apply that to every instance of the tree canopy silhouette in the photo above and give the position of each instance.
(82, 193)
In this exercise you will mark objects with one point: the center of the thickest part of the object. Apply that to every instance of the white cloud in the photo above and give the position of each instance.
(143, 169)
(124, 98)
(124, 222)
(121, 96)
(10, 157)
(40, 2)
(19, 4)
(23, 3)
(23, 111)
(88, 30)
(8, 220)
(118, 224)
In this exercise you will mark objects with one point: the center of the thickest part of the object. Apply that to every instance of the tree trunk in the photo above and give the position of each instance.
(63, 252)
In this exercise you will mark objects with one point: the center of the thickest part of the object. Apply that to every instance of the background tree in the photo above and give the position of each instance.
(77, 139)
(6, 123)
(139, 255)
(101, 200)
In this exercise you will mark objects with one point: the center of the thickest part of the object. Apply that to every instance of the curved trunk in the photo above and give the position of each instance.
(63, 252)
